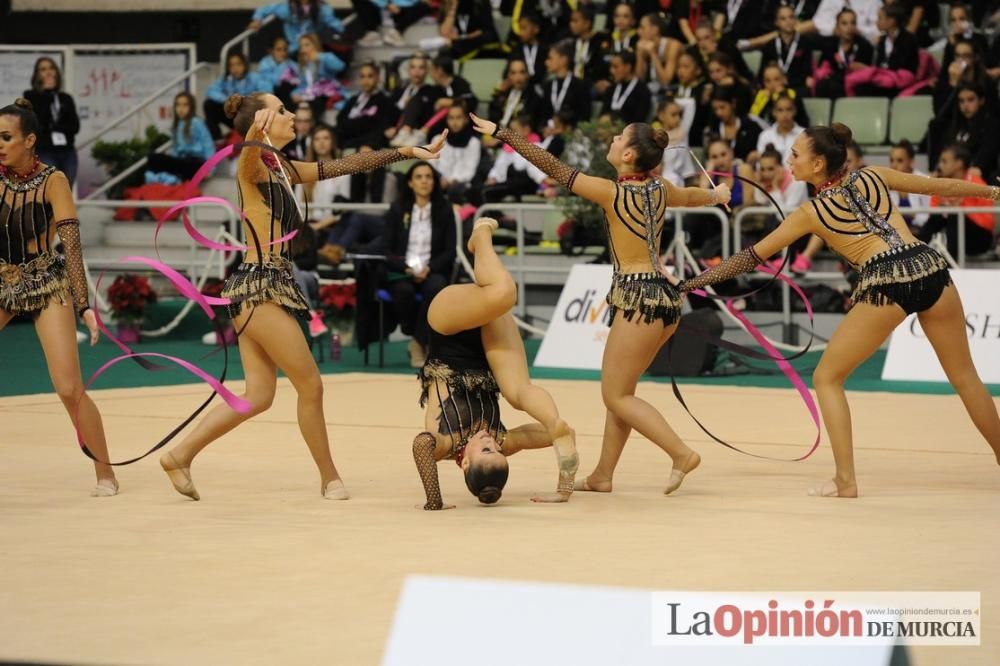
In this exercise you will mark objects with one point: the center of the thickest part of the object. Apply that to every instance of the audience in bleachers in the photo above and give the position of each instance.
(300, 17)
(238, 79)
(628, 100)
(191, 145)
(973, 126)
(588, 59)
(516, 94)
(337, 233)
(305, 122)
(790, 50)
(656, 54)
(841, 53)
(413, 88)
(458, 162)
(677, 117)
(384, 21)
(526, 45)
(896, 58)
(774, 84)
(901, 159)
(316, 81)
(511, 174)
(738, 130)
(277, 65)
(563, 91)
(783, 132)
(778, 181)
(956, 162)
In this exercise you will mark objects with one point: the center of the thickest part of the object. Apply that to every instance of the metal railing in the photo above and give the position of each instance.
(243, 37)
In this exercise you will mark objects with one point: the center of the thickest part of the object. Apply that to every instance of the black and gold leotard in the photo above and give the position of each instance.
(858, 222)
(32, 274)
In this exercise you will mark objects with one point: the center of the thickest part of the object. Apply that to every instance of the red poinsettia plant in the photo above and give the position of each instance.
(128, 296)
(338, 301)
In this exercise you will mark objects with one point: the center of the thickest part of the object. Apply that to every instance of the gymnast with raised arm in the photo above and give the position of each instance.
(897, 275)
(475, 354)
(644, 304)
(265, 299)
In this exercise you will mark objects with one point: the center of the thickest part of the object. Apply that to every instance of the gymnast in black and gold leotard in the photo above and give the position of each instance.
(475, 355)
(897, 275)
(264, 296)
(645, 305)
(37, 211)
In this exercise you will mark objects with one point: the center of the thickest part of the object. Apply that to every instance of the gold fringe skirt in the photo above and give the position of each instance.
(472, 403)
(912, 277)
(29, 287)
(253, 284)
(648, 295)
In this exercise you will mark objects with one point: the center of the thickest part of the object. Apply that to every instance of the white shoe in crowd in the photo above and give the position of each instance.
(392, 37)
(416, 138)
(401, 138)
(371, 38)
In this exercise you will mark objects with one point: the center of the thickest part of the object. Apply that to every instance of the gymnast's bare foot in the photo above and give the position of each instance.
(836, 487)
(683, 465)
(484, 226)
(564, 444)
(179, 474)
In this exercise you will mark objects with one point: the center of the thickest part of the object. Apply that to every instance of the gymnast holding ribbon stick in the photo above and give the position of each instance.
(36, 204)
(898, 275)
(264, 298)
(645, 306)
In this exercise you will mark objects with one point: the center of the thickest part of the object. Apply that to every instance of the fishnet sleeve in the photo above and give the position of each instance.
(69, 233)
(423, 456)
(358, 163)
(742, 262)
(546, 162)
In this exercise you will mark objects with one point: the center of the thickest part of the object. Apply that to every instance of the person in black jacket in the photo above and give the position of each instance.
(362, 124)
(843, 52)
(628, 99)
(896, 58)
(565, 92)
(973, 126)
(516, 94)
(420, 253)
(57, 118)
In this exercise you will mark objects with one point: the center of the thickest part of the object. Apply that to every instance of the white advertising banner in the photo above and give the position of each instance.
(579, 329)
(911, 356)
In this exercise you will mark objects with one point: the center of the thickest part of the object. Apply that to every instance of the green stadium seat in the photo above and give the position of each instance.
(910, 117)
(868, 118)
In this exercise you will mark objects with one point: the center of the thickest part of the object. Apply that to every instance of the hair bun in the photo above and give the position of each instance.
(661, 137)
(489, 495)
(24, 104)
(232, 105)
(842, 133)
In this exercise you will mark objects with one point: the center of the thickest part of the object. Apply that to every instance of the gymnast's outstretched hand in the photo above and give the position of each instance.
(428, 152)
(483, 126)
